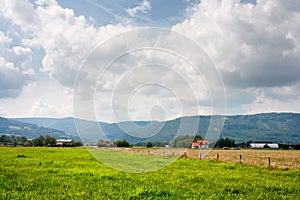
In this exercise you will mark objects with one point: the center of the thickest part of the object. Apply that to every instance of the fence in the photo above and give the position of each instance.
(283, 159)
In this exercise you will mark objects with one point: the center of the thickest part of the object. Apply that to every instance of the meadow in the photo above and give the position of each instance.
(74, 173)
(281, 159)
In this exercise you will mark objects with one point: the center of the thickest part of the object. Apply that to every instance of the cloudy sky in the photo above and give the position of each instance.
(57, 56)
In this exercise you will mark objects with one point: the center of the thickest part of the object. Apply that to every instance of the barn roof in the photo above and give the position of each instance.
(262, 145)
(64, 140)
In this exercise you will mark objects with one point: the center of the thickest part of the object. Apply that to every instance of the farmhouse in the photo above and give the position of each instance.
(263, 145)
(105, 143)
(61, 142)
(200, 144)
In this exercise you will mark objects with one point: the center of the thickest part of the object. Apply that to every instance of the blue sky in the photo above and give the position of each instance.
(254, 47)
(163, 13)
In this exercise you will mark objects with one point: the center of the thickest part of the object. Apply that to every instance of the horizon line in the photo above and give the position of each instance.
(145, 120)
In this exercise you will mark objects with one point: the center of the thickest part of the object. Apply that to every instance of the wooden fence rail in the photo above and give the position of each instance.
(285, 159)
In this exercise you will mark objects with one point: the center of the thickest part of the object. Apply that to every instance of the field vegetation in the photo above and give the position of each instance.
(281, 159)
(74, 173)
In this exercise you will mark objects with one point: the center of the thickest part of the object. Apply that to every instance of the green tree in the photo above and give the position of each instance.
(15, 143)
(225, 143)
(122, 143)
(149, 144)
(248, 143)
(197, 137)
(76, 144)
(39, 142)
(50, 141)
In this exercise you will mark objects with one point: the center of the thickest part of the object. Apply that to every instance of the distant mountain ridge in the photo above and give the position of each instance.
(66, 124)
(29, 130)
(275, 127)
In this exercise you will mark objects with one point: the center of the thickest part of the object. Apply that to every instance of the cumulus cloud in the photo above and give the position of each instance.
(143, 7)
(21, 12)
(41, 108)
(266, 103)
(253, 45)
(15, 71)
(148, 66)
(2, 113)
(65, 38)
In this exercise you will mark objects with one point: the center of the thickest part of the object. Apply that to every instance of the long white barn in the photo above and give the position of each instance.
(262, 145)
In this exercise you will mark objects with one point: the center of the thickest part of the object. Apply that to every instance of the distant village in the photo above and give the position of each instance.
(201, 144)
(181, 142)
(48, 141)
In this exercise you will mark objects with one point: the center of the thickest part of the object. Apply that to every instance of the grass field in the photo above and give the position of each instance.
(281, 159)
(73, 173)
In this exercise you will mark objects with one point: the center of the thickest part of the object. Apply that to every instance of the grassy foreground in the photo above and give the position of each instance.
(73, 173)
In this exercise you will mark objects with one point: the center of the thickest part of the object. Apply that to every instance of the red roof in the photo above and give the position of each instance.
(200, 142)
(195, 144)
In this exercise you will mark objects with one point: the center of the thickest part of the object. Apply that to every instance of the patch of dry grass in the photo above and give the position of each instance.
(282, 159)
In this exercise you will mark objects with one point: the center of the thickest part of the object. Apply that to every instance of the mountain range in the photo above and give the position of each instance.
(29, 130)
(274, 127)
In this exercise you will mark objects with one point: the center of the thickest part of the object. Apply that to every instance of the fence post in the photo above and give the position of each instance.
(148, 152)
(217, 156)
(240, 159)
(269, 162)
(200, 156)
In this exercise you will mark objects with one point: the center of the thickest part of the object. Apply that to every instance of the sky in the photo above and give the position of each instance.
(148, 59)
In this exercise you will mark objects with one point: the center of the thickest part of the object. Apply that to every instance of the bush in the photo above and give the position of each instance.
(122, 143)
(149, 145)
(225, 143)
(39, 142)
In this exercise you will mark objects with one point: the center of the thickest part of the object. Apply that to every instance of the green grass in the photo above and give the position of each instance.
(74, 173)
(138, 163)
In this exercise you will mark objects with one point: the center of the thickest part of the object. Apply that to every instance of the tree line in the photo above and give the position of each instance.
(185, 141)
(41, 141)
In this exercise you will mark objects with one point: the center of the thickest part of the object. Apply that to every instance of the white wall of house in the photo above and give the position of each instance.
(262, 145)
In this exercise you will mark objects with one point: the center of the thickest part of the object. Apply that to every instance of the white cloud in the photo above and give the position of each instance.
(41, 108)
(151, 73)
(267, 103)
(21, 50)
(250, 43)
(4, 39)
(14, 63)
(143, 7)
(65, 38)
(21, 12)
(2, 112)
(40, 99)
(254, 46)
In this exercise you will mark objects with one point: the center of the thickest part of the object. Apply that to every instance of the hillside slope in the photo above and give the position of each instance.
(13, 127)
(68, 124)
(275, 127)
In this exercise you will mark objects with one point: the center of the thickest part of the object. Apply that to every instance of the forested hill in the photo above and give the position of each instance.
(13, 127)
(275, 127)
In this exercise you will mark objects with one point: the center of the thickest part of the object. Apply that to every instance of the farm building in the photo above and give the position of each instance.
(200, 144)
(61, 142)
(263, 145)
